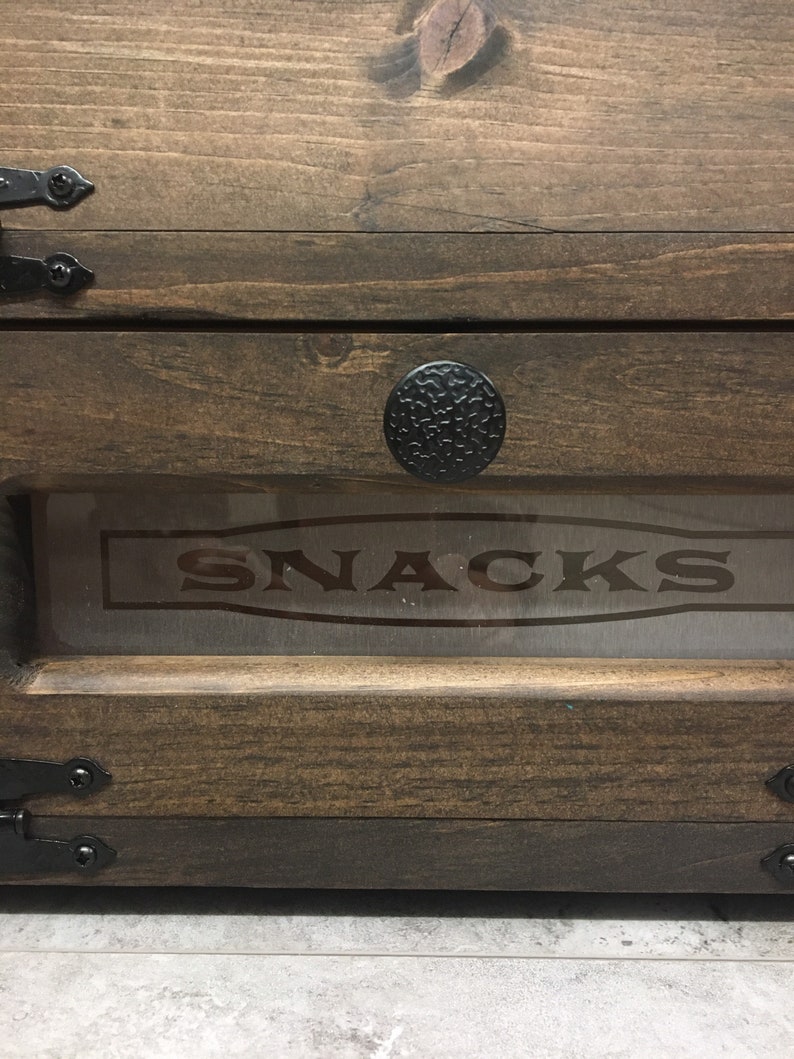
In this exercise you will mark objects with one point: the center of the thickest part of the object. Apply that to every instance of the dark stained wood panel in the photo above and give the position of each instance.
(315, 172)
(412, 753)
(354, 116)
(428, 854)
(264, 407)
(223, 276)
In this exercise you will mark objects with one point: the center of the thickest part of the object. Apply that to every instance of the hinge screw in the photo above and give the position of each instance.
(85, 856)
(788, 862)
(60, 185)
(60, 275)
(80, 778)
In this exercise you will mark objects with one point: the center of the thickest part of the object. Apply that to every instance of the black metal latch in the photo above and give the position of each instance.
(59, 188)
(21, 854)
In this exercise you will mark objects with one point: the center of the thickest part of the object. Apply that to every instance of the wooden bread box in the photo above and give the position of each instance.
(397, 444)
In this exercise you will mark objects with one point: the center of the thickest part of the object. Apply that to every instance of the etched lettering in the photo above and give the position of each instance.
(199, 562)
(424, 574)
(717, 579)
(342, 581)
(575, 576)
(480, 577)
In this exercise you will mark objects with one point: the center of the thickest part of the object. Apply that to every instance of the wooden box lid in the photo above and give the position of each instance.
(396, 161)
(403, 116)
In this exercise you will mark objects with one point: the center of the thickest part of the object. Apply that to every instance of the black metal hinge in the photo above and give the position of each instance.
(58, 273)
(782, 783)
(60, 188)
(781, 864)
(21, 854)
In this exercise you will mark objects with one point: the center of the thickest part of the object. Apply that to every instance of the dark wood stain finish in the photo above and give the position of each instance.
(429, 854)
(276, 185)
(413, 754)
(264, 406)
(225, 277)
(356, 115)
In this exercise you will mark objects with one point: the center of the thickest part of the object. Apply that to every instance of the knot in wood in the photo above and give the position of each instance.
(451, 33)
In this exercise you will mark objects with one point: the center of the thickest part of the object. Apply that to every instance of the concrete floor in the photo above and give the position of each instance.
(204, 973)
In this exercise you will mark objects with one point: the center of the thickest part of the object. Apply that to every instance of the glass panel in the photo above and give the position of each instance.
(437, 574)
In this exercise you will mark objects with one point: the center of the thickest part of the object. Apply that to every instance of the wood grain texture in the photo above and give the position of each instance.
(223, 276)
(275, 164)
(381, 115)
(428, 854)
(607, 680)
(421, 755)
(263, 407)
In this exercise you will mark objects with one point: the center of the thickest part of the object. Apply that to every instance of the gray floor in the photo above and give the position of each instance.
(194, 973)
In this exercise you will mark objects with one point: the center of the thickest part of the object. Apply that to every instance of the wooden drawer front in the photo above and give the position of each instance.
(501, 740)
(299, 408)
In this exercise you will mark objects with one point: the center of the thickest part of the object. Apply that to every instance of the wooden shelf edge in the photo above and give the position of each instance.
(541, 678)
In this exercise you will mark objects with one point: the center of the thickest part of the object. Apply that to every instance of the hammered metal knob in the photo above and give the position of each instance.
(444, 422)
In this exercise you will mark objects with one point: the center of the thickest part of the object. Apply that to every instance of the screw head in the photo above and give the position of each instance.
(85, 855)
(80, 778)
(59, 274)
(60, 185)
(788, 862)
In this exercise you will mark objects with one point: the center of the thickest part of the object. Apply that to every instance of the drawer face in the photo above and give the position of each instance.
(287, 409)
(436, 574)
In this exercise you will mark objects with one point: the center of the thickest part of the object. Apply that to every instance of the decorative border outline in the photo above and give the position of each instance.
(432, 516)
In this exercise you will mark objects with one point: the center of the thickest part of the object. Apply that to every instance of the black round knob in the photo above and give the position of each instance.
(444, 422)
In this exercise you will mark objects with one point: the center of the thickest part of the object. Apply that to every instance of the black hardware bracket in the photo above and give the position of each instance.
(21, 854)
(782, 783)
(781, 864)
(60, 188)
(20, 778)
(59, 273)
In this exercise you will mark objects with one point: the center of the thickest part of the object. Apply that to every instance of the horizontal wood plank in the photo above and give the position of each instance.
(396, 278)
(416, 755)
(609, 679)
(262, 408)
(363, 115)
(427, 854)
